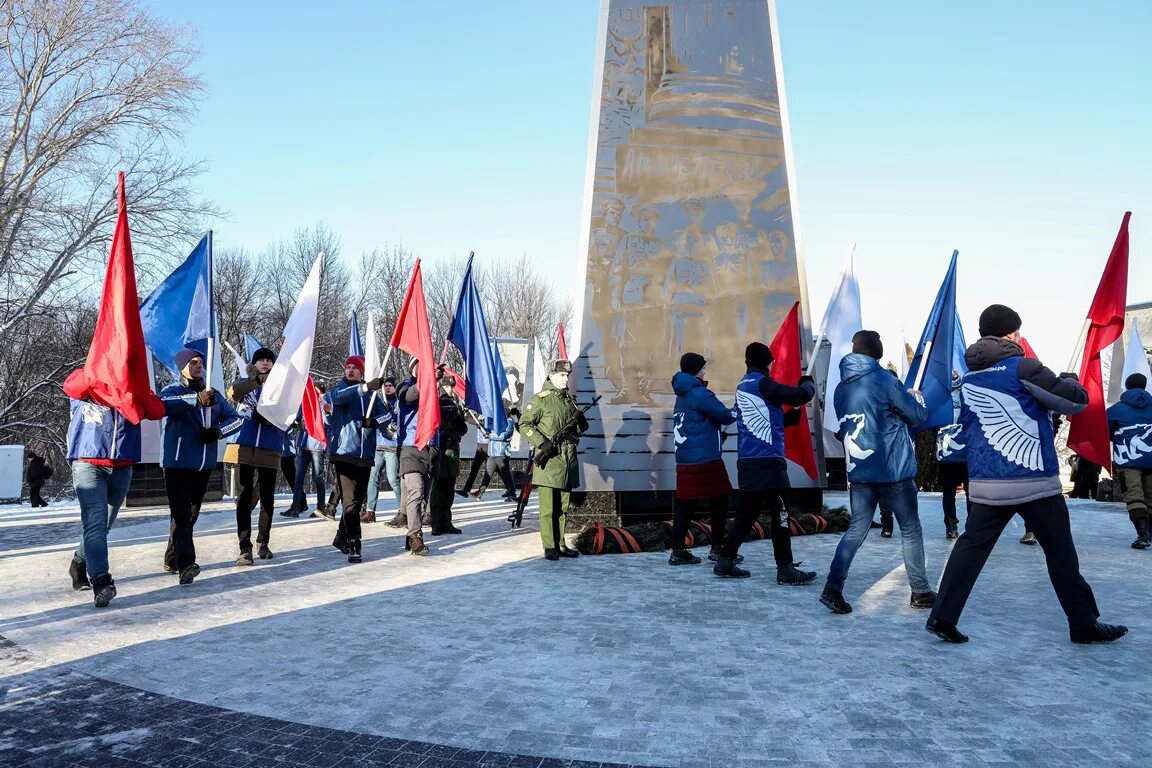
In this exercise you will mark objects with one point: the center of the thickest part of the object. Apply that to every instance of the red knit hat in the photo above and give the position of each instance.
(356, 360)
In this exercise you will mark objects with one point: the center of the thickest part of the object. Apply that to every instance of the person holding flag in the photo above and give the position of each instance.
(417, 463)
(452, 428)
(310, 454)
(356, 417)
(1013, 469)
(198, 417)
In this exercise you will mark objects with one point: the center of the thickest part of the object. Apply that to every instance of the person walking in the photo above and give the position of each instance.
(546, 416)
(1013, 469)
(417, 465)
(499, 448)
(310, 454)
(36, 474)
(876, 415)
(478, 465)
(761, 469)
(952, 463)
(260, 447)
(352, 427)
(386, 458)
(198, 417)
(701, 477)
(1130, 424)
(452, 428)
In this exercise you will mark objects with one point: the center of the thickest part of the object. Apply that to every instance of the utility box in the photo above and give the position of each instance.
(11, 471)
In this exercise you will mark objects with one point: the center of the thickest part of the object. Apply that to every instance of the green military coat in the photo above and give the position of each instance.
(547, 412)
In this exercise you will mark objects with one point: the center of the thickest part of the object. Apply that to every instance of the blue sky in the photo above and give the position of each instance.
(1015, 132)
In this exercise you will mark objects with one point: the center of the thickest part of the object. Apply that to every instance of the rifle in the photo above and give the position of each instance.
(567, 432)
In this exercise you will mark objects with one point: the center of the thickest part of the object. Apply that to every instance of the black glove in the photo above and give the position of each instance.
(547, 449)
(1056, 422)
(210, 434)
(807, 380)
(375, 384)
(206, 398)
(368, 422)
(791, 417)
(581, 423)
(1067, 375)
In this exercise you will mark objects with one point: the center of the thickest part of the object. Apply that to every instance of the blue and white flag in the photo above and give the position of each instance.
(937, 354)
(178, 314)
(483, 369)
(251, 344)
(354, 345)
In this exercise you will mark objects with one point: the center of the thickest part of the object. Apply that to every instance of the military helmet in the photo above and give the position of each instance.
(559, 366)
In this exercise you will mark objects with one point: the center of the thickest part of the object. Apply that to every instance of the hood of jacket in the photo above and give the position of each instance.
(854, 365)
(683, 383)
(988, 351)
(1137, 398)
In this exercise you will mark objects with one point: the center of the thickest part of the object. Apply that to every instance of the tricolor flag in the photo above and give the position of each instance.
(283, 391)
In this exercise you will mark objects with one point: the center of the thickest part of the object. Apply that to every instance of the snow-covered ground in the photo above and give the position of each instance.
(616, 658)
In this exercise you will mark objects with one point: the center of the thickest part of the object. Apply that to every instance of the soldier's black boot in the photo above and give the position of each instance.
(551, 554)
(354, 551)
(104, 589)
(79, 573)
(1143, 534)
(566, 552)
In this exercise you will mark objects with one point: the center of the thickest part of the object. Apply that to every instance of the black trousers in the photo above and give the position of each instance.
(748, 510)
(683, 512)
(352, 482)
(185, 488)
(498, 465)
(1048, 519)
(952, 474)
(478, 463)
(34, 495)
(249, 478)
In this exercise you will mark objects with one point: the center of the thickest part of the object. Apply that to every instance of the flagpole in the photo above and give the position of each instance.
(1078, 351)
(205, 413)
(383, 368)
(923, 364)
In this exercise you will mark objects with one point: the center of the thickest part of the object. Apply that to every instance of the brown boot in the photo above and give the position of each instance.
(400, 521)
(367, 516)
(415, 544)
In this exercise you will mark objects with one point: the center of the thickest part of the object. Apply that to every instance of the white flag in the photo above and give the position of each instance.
(538, 377)
(284, 390)
(371, 351)
(841, 321)
(1136, 359)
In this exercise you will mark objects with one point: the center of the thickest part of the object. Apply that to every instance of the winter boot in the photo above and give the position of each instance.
(727, 568)
(792, 576)
(292, 511)
(951, 529)
(1143, 534)
(104, 589)
(245, 557)
(264, 552)
(552, 554)
(566, 552)
(716, 554)
(354, 551)
(945, 631)
(189, 573)
(79, 573)
(368, 516)
(399, 521)
(415, 544)
(923, 599)
(682, 557)
(833, 600)
(1098, 633)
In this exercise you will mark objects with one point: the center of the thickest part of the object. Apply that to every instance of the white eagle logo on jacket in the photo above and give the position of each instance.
(851, 449)
(756, 416)
(1009, 430)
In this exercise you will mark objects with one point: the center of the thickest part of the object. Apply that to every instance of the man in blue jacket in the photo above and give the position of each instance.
(198, 417)
(697, 420)
(761, 469)
(876, 415)
(352, 431)
(1130, 423)
(1007, 402)
(499, 448)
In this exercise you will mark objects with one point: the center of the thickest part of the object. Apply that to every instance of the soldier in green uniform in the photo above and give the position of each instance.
(548, 413)
(452, 428)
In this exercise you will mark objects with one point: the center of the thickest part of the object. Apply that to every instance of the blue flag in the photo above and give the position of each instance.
(178, 314)
(354, 345)
(937, 353)
(483, 368)
(251, 344)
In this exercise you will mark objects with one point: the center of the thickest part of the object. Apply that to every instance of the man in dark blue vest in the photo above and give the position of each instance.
(1007, 401)
(761, 469)
(1130, 422)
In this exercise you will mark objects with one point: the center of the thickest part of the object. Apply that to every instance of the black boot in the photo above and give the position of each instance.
(264, 552)
(1143, 534)
(189, 573)
(792, 576)
(552, 554)
(833, 600)
(1098, 633)
(104, 589)
(716, 554)
(682, 557)
(354, 551)
(79, 573)
(945, 631)
(727, 568)
(566, 552)
(952, 529)
(923, 599)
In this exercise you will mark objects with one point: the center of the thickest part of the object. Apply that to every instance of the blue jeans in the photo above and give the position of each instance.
(387, 461)
(306, 460)
(901, 497)
(101, 492)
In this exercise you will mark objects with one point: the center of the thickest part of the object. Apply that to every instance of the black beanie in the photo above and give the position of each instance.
(263, 354)
(868, 343)
(999, 320)
(757, 355)
(1136, 381)
(692, 363)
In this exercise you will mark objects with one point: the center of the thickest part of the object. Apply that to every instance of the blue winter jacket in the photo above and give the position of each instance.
(696, 420)
(255, 431)
(1130, 422)
(386, 436)
(407, 411)
(347, 438)
(876, 415)
(99, 432)
(500, 445)
(182, 446)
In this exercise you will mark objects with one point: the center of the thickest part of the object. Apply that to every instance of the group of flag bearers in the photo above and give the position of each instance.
(1002, 419)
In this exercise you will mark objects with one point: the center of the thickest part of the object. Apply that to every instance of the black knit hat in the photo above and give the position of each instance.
(692, 363)
(999, 320)
(757, 355)
(263, 354)
(868, 343)
(1136, 381)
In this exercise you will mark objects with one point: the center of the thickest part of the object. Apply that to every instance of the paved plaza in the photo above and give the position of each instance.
(485, 654)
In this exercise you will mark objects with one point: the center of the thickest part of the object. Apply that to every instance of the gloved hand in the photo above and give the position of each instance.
(547, 449)
(1057, 421)
(210, 434)
(368, 422)
(807, 380)
(206, 397)
(375, 384)
(1068, 375)
(261, 377)
(791, 417)
(581, 423)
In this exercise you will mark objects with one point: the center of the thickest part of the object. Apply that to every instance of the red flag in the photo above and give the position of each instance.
(1028, 351)
(1088, 433)
(461, 387)
(313, 413)
(561, 347)
(786, 370)
(116, 372)
(413, 336)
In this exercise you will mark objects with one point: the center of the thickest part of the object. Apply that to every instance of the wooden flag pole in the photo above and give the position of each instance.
(1078, 351)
